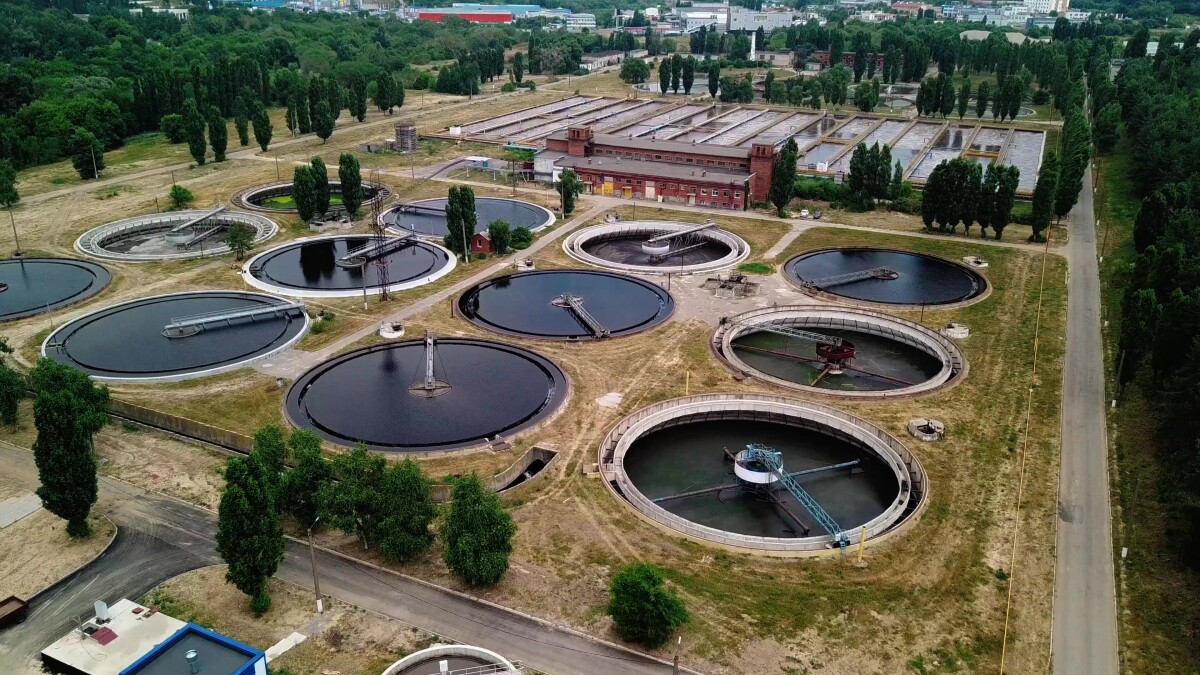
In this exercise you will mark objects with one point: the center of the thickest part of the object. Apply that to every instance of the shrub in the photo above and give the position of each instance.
(180, 197)
(821, 189)
(172, 128)
(521, 239)
(642, 610)
(1041, 97)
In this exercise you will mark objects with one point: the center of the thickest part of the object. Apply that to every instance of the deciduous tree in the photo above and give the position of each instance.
(241, 120)
(783, 178)
(87, 153)
(500, 235)
(570, 187)
(262, 126)
(67, 410)
(1043, 197)
(350, 178)
(642, 610)
(304, 192)
(193, 123)
(323, 121)
(320, 176)
(476, 533)
(218, 134)
(249, 534)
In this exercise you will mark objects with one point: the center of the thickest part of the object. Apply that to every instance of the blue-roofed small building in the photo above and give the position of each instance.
(129, 639)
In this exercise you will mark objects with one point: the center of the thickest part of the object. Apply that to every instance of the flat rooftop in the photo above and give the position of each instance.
(112, 647)
(651, 144)
(216, 656)
(667, 170)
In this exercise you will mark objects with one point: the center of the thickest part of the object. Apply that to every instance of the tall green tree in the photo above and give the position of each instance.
(67, 410)
(408, 511)
(9, 197)
(1108, 128)
(218, 134)
(350, 178)
(964, 97)
(783, 178)
(689, 74)
(193, 125)
(304, 192)
(714, 78)
(385, 87)
(664, 75)
(241, 121)
(12, 390)
(239, 238)
(500, 235)
(1043, 197)
(518, 67)
(642, 610)
(982, 98)
(271, 446)
(1001, 201)
(310, 474)
(87, 153)
(569, 187)
(358, 97)
(461, 220)
(323, 121)
(354, 504)
(1076, 150)
(249, 534)
(320, 175)
(476, 533)
(262, 126)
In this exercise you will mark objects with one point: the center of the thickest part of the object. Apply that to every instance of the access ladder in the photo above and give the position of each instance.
(770, 458)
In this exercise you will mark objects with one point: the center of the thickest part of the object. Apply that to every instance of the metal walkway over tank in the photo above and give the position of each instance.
(770, 458)
(574, 305)
(804, 472)
(186, 326)
(781, 329)
(882, 273)
(429, 386)
(376, 248)
(405, 206)
(707, 225)
(197, 220)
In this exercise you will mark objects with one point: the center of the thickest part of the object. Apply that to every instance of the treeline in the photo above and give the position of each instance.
(386, 507)
(1160, 311)
(116, 75)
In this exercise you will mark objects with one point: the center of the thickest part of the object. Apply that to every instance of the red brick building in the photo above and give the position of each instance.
(481, 242)
(847, 59)
(646, 168)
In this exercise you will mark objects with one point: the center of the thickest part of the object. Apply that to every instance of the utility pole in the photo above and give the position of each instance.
(12, 218)
(312, 554)
(675, 663)
(364, 280)
(95, 171)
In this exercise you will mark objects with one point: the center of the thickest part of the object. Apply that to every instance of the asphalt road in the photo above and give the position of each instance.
(1085, 610)
(162, 537)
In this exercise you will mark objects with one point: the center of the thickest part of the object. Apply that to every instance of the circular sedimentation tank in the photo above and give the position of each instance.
(547, 305)
(881, 356)
(427, 217)
(379, 395)
(31, 286)
(688, 465)
(657, 247)
(328, 266)
(155, 236)
(277, 197)
(177, 336)
(900, 277)
(462, 659)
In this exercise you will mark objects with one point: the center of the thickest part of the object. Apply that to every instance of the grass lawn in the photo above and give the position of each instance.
(289, 202)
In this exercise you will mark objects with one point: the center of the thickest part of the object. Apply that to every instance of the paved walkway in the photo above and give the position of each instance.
(1085, 606)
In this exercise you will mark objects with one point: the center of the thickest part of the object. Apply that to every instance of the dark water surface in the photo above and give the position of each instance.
(487, 209)
(875, 354)
(521, 304)
(924, 279)
(38, 285)
(312, 265)
(364, 395)
(126, 340)
(689, 457)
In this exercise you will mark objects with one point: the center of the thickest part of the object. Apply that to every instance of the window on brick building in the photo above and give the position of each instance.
(703, 193)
